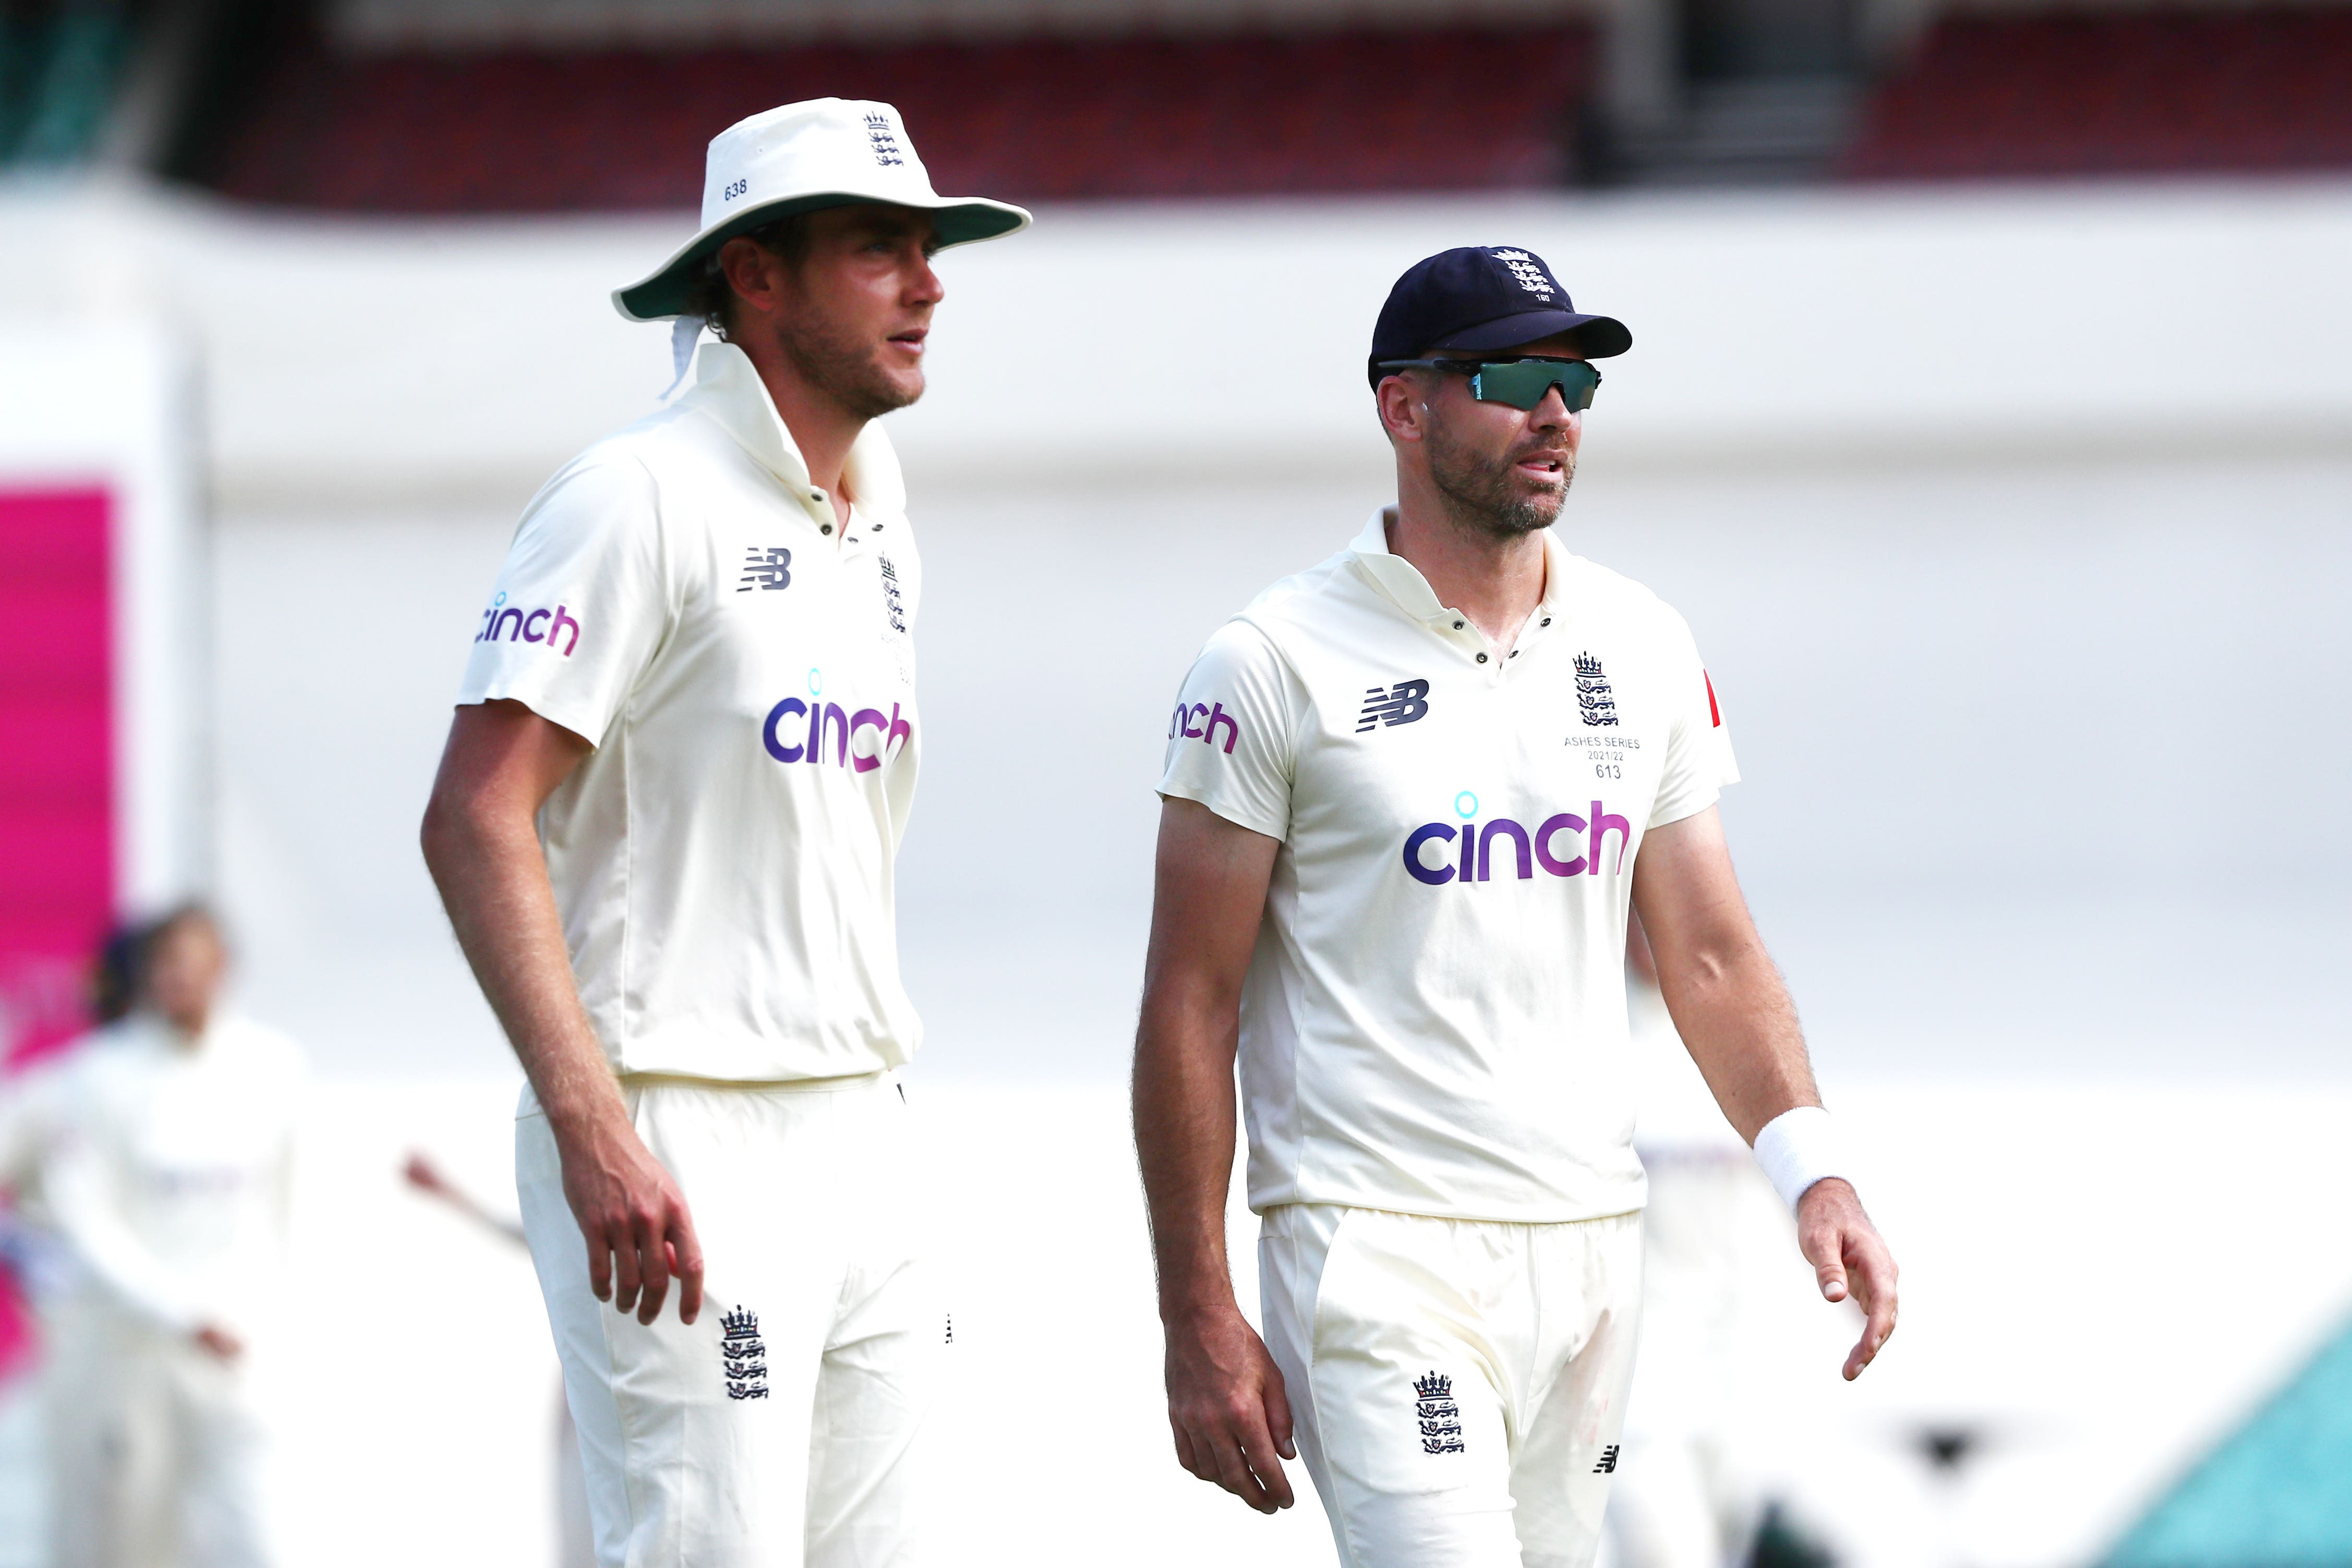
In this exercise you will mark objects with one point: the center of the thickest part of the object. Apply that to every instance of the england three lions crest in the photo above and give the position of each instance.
(1595, 704)
(744, 1354)
(1436, 1413)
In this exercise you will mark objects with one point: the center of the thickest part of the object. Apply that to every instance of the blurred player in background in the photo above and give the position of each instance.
(166, 1154)
(1411, 795)
(31, 1264)
(665, 829)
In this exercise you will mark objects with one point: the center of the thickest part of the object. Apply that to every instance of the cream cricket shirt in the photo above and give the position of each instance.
(1434, 1019)
(169, 1171)
(679, 596)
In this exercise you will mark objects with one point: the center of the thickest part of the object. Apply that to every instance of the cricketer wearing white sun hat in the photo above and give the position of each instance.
(826, 153)
(702, 984)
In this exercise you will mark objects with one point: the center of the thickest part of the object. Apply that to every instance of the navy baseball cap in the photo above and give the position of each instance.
(1484, 297)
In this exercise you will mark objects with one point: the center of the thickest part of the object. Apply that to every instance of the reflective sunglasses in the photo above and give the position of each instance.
(1521, 382)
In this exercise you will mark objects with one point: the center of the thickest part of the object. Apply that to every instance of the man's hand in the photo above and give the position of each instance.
(635, 1220)
(1230, 1414)
(218, 1342)
(1849, 1260)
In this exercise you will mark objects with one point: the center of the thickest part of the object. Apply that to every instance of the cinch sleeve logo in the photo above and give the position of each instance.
(1200, 721)
(1470, 849)
(512, 622)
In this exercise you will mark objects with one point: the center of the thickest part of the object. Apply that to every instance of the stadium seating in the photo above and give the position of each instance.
(59, 68)
(1033, 119)
(2135, 92)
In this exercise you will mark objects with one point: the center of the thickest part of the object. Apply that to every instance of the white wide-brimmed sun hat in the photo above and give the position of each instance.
(826, 152)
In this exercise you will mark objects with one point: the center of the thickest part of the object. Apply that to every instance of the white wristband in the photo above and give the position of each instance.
(1800, 1147)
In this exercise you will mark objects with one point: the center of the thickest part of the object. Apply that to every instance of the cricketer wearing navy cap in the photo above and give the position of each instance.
(1482, 297)
(1411, 799)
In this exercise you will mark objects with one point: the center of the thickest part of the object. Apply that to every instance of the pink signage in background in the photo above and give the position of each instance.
(56, 760)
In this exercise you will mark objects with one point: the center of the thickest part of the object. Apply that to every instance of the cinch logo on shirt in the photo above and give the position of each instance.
(1529, 849)
(1211, 715)
(827, 719)
(516, 624)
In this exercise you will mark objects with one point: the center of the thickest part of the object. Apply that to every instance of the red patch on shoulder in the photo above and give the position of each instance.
(1713, 712)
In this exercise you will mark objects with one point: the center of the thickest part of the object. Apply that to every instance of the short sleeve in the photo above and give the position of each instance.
(1229, 744)
(1698, 748)
(582, 602)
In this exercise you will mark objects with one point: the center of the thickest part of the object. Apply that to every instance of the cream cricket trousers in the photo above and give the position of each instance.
(1457, 1385)
(780, 1429)
(156, 1450)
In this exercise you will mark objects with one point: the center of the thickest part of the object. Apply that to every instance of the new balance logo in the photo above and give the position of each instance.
(744, 1354)
(1608, 1465)
(1435, 1414)
(771, 568)
(1400, 704)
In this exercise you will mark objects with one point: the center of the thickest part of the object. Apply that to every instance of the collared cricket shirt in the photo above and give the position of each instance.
(168, 1170)
(1434, 1019)
(680, 596)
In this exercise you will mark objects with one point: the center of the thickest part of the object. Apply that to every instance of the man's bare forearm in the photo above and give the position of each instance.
(481, 842)
(1227, 1406)
(492, 876)
(1211, 879)
(1184, 1123)
(1722, 988)
(1734, 1012)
